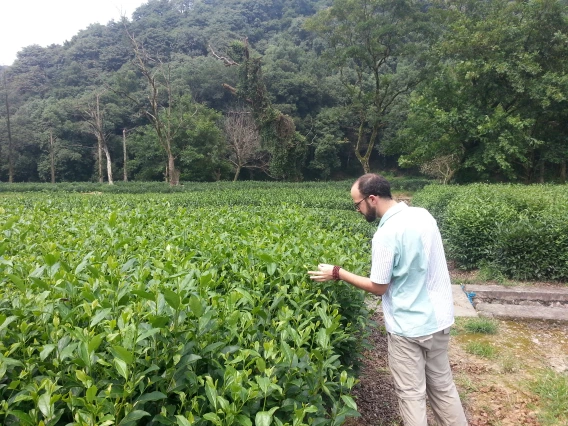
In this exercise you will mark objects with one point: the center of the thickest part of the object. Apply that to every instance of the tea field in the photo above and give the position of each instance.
(189, 308)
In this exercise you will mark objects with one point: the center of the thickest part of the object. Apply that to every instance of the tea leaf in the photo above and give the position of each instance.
(123, 354)
(195, 306)
(101, 315)
(121, 367)
(133, 416)
(152, 396)
(47, 349)
(349, 402)
(172, 298)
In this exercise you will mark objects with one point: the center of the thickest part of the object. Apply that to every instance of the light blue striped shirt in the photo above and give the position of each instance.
(409, 256)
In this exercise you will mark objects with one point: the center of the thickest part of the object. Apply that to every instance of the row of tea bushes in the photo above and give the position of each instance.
(176, 309)
(300, 189)
(521, 231)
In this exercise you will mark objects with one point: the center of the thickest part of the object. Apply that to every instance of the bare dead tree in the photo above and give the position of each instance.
(94, 118)
(125, 158)
(52, 154)
(442, 168)
(279, 138)
(160, 114)
(243, 140)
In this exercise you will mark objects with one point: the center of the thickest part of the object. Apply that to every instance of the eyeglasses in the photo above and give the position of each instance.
(356, 205)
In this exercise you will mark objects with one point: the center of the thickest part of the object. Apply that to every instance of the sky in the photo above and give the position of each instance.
(45, 22)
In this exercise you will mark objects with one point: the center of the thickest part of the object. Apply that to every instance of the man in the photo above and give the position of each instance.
(409, 271)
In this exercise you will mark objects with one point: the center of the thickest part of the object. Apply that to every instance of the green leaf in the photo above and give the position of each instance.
(195, 306)
(45, 406)
(211, 392)
(212, 347)
(159, 321)
(152, 396)
(260, 364)
(91, 393)
(205, 279)
(101, 315)
(51, 258)
(25, 418)
(265, 257)
(172, 298)
(8, 321)
(264, 418)
(47, 349)
(133, 416)
(349, 402)
(243, 420)
(144, 294)
(182, 421)
(147, 334)
(121, 367)
(17, 281)
(263, 384)
(112, 219)
(67, 351)
(95, 342)
(271, 268)
(123, 354)
(212, 417)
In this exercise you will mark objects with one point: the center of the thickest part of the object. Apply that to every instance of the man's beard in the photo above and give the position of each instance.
(371, 214)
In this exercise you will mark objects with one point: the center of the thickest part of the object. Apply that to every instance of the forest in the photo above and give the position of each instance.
(205, 90)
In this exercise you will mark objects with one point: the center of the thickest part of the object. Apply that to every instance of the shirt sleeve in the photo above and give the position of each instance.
(381, 264)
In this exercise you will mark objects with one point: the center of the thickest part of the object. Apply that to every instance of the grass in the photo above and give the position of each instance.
(508, 365)
(552, 388)
(481, 325)
(483, 349)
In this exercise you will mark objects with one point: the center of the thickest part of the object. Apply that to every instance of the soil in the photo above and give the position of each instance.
(495, 390)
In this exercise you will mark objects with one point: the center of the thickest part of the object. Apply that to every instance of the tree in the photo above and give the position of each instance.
(499, 98)
(94, 117)
(243, 141)
(161, 108)
(278, 133)
(372, 43)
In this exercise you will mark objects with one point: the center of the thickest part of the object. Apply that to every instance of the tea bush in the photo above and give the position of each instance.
(178, 309)
(521, 231)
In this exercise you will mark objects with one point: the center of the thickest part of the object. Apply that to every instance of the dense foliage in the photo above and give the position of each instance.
(190, 308)
(462, 90)
(518, 231)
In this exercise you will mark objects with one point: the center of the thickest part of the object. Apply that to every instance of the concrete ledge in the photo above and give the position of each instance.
(522, 312)
(519, 293)
(462, 305)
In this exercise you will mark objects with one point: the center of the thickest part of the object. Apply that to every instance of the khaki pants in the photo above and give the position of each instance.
(421, 366)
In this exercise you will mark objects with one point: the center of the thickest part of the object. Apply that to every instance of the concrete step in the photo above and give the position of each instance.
(555, 296)
(508, 311)
(462, 305)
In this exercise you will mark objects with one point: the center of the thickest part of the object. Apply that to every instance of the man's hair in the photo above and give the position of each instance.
(373, 184)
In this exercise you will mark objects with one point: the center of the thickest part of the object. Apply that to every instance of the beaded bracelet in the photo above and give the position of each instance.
(335, 273)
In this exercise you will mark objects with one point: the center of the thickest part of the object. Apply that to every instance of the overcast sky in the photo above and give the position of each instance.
(45, 22)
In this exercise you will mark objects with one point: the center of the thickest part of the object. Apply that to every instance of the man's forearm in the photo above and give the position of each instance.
(364, 283)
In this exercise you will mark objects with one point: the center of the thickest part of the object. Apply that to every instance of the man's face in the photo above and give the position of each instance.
(362, 205)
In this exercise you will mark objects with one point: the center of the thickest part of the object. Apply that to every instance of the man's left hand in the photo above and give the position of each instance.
(324, 273)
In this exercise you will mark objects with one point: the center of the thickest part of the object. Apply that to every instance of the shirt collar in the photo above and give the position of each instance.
(392, 211)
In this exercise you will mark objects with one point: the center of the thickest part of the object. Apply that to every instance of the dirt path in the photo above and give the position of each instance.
(496, 389)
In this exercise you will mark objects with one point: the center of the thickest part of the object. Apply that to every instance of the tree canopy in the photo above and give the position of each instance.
(460, 90)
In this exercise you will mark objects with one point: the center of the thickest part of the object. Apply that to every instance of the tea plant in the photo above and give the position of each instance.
(177, 309)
